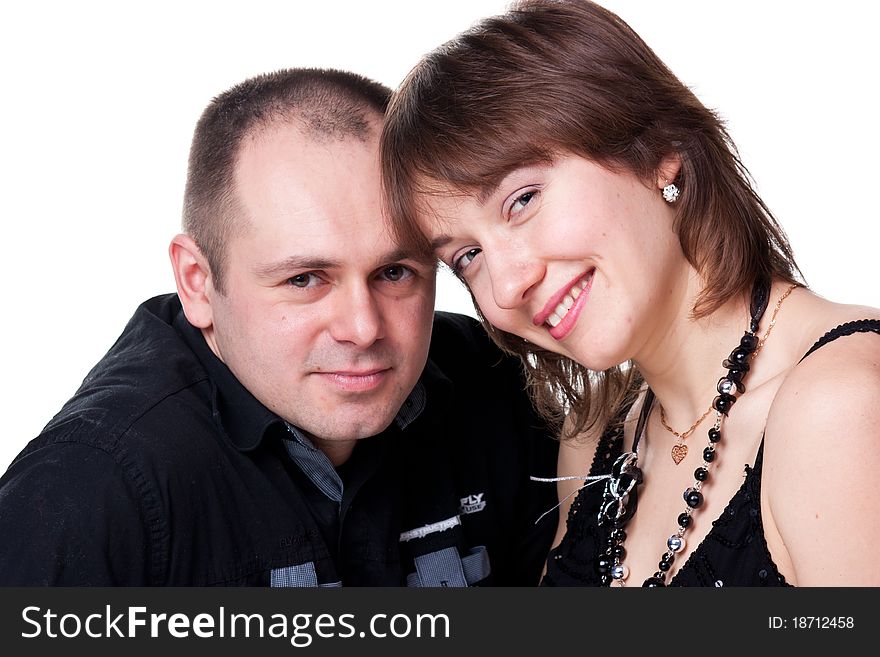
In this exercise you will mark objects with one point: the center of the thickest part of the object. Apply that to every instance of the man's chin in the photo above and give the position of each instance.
(363, 429)
(356, 427)
(343, 417)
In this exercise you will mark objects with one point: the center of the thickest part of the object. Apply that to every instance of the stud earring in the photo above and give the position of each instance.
(670, 192)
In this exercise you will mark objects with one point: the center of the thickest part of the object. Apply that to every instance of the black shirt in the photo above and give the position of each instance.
(164, 470)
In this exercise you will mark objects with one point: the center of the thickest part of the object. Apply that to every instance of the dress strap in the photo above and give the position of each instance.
(857, 326)
(647, 404)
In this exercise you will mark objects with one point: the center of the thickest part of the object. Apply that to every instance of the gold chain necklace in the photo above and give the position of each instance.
(773, 318)
(680, 449)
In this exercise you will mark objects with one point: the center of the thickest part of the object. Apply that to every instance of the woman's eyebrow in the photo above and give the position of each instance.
(440, 241)
(514, 177)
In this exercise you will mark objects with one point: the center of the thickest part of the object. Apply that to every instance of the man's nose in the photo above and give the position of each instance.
(357, 316)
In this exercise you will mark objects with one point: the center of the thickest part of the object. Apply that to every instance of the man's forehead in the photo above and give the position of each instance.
(310, 132)
(313, 205)
(283, 172)
(289, 142)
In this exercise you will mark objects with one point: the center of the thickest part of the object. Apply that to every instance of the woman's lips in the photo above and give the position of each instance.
(563, 318)
(567, 303)
(563, 301)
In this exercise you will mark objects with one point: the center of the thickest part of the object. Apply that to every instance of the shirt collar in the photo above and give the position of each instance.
(245, 420)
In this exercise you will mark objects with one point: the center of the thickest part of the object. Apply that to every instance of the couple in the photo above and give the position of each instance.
(600, 217)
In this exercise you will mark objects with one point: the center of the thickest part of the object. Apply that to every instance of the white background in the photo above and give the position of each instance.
(99, 100)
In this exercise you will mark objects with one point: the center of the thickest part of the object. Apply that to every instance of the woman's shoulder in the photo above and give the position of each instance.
(577, 449)
(835, 340)
(819, 455)
(827, 401)
(836, 353)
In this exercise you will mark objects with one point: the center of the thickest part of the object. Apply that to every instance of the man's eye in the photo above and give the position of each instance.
(302, 280)
(396, 273)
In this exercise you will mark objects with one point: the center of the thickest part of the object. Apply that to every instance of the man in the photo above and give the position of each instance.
(287, 418)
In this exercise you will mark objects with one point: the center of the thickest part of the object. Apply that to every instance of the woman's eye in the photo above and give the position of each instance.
(522, 201)
(461, 262)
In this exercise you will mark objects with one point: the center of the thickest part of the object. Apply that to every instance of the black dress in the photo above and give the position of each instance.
(733, 553)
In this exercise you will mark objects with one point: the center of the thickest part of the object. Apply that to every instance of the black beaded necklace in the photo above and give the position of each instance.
(620, 498)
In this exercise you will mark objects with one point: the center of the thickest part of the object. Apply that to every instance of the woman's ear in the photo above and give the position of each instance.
(668, 170)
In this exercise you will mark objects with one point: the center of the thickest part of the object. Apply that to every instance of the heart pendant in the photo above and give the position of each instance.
(679, 452)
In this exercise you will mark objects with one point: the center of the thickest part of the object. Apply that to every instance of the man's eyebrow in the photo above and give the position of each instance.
(307, 263)
(293, 263)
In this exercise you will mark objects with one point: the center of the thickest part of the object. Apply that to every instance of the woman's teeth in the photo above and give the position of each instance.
(567, 302)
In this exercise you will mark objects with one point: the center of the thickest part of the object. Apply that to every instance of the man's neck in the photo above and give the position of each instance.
(338, 451)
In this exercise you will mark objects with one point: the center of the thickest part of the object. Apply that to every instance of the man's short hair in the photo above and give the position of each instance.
(325, 104)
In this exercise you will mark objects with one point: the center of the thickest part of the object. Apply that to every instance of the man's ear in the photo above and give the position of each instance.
(193, 277)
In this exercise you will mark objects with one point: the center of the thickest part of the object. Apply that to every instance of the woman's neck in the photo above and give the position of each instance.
(681, 361)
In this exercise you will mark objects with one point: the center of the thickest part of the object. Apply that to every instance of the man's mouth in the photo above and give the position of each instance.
(356, 380)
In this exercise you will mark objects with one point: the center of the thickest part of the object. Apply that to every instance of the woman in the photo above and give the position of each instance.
(603, 222)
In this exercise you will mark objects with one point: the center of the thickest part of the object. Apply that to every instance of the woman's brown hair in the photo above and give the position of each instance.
(569, 76)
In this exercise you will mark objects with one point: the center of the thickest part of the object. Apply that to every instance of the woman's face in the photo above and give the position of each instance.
(571, 256)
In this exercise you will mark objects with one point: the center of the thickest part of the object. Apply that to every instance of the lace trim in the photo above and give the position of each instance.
(848, 328)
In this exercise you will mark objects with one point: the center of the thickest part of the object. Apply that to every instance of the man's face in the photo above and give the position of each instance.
(324, 320)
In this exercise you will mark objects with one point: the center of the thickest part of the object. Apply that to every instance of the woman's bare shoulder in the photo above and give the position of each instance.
(820, 454)
(838, 361)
